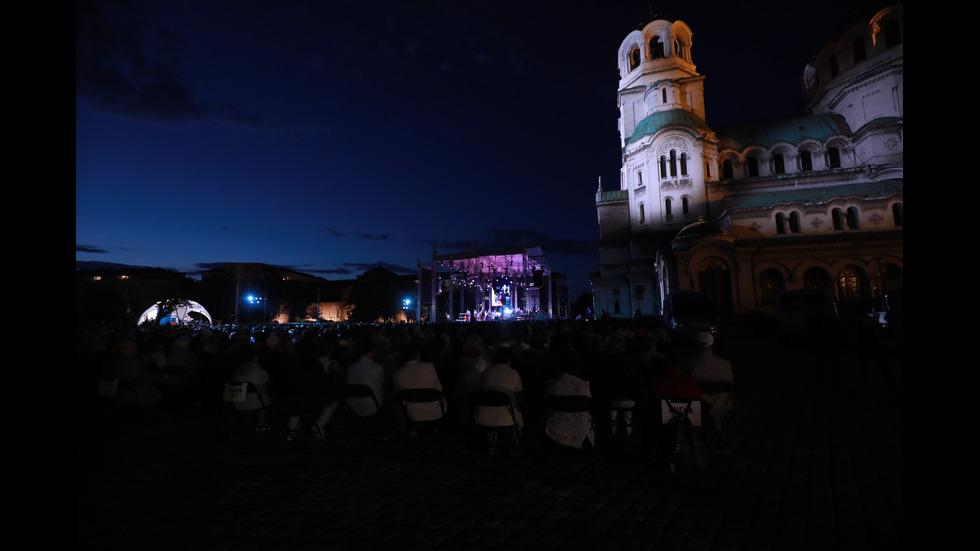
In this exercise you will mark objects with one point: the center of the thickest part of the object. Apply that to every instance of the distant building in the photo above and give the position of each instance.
(742, 213)
(247, 292)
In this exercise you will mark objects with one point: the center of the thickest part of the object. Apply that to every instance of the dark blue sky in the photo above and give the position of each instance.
(331, 136)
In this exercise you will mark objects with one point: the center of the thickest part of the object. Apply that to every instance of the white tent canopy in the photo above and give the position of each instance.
(181, 314)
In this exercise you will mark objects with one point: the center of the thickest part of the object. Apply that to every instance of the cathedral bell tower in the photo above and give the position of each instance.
(661, 126)
(666, 151)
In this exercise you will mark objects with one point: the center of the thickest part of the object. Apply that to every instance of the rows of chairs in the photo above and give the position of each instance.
(507, 435)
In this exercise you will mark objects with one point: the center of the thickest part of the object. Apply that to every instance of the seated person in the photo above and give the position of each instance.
(706, 366)
(573, 429)
(418, 374)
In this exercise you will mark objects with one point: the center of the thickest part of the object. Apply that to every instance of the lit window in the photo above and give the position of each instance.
(849, 284)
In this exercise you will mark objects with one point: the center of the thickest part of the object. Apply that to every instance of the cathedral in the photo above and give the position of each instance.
(814, 201)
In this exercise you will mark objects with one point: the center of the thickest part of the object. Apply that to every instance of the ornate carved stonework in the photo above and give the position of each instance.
(679, 183)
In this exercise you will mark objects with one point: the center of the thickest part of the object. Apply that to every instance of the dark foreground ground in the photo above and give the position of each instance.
(812, 467)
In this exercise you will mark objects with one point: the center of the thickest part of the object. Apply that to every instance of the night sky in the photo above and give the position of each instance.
(331, 137)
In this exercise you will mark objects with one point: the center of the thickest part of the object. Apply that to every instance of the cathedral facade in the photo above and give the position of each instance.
(743, 213)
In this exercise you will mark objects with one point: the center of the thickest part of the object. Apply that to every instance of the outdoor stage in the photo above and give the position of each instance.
(499, 285)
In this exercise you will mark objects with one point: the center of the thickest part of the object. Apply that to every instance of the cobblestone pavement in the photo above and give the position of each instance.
(812, 468)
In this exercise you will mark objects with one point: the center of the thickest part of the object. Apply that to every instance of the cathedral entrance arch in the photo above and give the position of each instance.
(714, 278)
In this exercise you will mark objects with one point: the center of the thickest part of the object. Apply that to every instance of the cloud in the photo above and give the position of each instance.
(89, 249)
(373, 237)
(500, 239)
(112, 70)
(361, 267)
(369, 236)
(127, 68)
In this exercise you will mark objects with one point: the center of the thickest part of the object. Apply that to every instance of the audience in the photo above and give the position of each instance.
(606, 360)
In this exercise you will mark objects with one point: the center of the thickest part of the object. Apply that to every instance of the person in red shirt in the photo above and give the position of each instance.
(670, 382)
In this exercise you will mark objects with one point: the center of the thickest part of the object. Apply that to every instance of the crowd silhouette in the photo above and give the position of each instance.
(300, 378)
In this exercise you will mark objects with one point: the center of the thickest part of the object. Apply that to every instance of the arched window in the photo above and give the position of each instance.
(838, 218)
(663, 167)
(893, 34)
(683, 164)
(639, 179)
(780, 223)
(849, 283)
(753, 167)
(794, 222)
(707, 170)
(816, 278)
(778, 164)
(728, 170)
(859, 52)
(898, 214)
(656, 48)
(833, 157)
(677, 48)
(643, 213)
(685, 205)
(852, 218)
(663, 93)
(634, 57)
(673, 163)
(771, 282)
(667, 207)
(806, 162)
